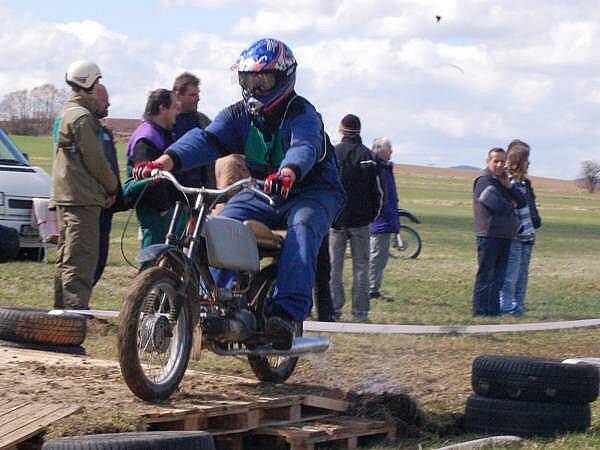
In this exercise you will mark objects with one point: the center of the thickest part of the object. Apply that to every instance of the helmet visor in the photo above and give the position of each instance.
(258, 83)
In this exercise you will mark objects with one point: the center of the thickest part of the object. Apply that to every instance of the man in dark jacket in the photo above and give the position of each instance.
(186, 90)
(496, 223)
(106, 214)
(358, 172)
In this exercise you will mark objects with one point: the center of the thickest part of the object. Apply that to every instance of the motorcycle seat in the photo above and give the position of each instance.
(265, 237)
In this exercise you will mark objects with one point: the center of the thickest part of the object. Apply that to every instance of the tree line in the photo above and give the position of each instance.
(32, 111)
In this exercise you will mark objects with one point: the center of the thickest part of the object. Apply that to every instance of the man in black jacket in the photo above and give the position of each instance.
(359, 175)
(496, 223)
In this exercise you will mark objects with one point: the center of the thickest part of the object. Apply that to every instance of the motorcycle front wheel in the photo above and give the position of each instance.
(275, 369)
(155, 335)
(406, 244)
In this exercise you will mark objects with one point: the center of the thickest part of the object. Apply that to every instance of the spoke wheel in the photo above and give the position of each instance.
(155, 335)
(406, 244)
(275, 369)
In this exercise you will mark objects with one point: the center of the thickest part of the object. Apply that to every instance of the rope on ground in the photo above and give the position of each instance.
(375, 328)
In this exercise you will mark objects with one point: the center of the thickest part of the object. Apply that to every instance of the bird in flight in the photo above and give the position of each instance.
(438, 18)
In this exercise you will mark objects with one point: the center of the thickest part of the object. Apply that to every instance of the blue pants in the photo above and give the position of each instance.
(512, 294)
(492, 256)
(307, 218)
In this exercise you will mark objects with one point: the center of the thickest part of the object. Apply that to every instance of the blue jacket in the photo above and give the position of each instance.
(388, 220)
(306, 147)
(493, 208)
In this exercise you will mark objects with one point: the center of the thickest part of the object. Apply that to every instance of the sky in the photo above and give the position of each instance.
(444, 92)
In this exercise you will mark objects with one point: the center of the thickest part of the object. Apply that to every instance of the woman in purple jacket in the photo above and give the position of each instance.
(387, 222)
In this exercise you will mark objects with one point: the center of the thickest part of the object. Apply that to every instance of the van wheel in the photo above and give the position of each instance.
(37, 326)
(36, 254)
(9, 244)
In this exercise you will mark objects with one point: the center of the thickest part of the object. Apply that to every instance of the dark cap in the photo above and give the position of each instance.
(350, 124)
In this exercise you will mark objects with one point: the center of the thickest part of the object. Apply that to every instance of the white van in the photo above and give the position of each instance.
(20, 182)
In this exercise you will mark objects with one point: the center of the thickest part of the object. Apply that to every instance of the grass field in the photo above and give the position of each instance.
(433, 289)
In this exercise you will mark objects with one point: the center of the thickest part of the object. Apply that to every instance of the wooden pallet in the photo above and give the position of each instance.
(338, 432)
(21, 421)
(235, 417)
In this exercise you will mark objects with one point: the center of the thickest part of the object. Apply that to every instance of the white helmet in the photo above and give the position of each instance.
(83, 74)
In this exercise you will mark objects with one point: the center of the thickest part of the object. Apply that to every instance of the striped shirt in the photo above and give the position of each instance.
(526, 231)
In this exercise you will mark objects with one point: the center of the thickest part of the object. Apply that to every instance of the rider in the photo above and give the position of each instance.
(284, 143)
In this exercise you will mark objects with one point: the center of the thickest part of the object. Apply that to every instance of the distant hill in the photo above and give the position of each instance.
(465, 167)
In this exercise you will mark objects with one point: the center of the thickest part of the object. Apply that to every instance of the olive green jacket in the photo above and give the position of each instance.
(81, 174)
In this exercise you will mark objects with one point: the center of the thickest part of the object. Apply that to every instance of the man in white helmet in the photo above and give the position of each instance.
(82, 184)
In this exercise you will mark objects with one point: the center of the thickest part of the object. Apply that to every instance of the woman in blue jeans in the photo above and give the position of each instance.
(512, 294)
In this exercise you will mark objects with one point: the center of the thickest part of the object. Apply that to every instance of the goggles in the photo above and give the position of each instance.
(257, 83)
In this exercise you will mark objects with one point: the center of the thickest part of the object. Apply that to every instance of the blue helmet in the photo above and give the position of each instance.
(267, 74)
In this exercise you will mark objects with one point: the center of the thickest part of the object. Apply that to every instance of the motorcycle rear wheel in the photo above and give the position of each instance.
(155, 335)
(275, 369)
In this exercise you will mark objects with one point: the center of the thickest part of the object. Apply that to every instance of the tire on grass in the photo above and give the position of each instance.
(534, 379)
(151, 440)
(69, 349)
(521, 418)
(37, 326)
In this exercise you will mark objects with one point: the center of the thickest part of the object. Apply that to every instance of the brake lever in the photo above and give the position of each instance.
(253, 188)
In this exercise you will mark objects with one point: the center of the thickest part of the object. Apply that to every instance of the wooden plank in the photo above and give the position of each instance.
(29, 419)
(332, 404)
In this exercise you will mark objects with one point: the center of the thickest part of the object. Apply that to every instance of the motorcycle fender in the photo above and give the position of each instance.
(411, 216)
(154, 252)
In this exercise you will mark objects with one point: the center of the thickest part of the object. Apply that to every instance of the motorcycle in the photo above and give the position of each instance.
(175, 295)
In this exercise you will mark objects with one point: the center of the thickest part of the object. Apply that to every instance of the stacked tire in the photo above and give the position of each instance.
(525, 396)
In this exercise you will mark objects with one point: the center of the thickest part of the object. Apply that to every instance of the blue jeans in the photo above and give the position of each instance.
(492, 257)
(512, 294)
(307, 218)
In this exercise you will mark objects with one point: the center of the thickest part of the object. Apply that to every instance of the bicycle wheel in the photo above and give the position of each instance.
(406, 244)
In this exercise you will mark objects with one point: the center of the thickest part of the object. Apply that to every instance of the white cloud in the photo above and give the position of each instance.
(442, 92)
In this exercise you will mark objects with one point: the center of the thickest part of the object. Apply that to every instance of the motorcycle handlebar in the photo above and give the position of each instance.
(248, 183)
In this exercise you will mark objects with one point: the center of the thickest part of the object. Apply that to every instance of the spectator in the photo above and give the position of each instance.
(512, 294)
(496, 223)
(322, 291)
(148, 142)
(186, 89)
(106, 214)
(387, 222)
(284, 143)
(358, 172)
(82, 184)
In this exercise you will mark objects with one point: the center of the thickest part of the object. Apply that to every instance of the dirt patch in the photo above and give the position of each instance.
(109, 406)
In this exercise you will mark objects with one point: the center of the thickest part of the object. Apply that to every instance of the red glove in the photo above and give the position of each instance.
(143, 169)
(278, 184)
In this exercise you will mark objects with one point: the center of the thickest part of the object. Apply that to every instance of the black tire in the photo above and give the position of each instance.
(9, 244)
(151, 440)
(37, 326)
(274, 369)
(69, 349)
(143, 311)
(411, 244)
(520, 418)
(534, 379)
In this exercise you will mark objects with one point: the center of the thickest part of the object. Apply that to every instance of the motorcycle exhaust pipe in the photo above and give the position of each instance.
(301, 346)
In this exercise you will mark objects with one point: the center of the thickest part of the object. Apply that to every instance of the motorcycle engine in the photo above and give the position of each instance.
(239, 325)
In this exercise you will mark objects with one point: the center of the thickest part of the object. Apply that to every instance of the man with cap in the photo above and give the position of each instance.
(82, 184)
(358, 172)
